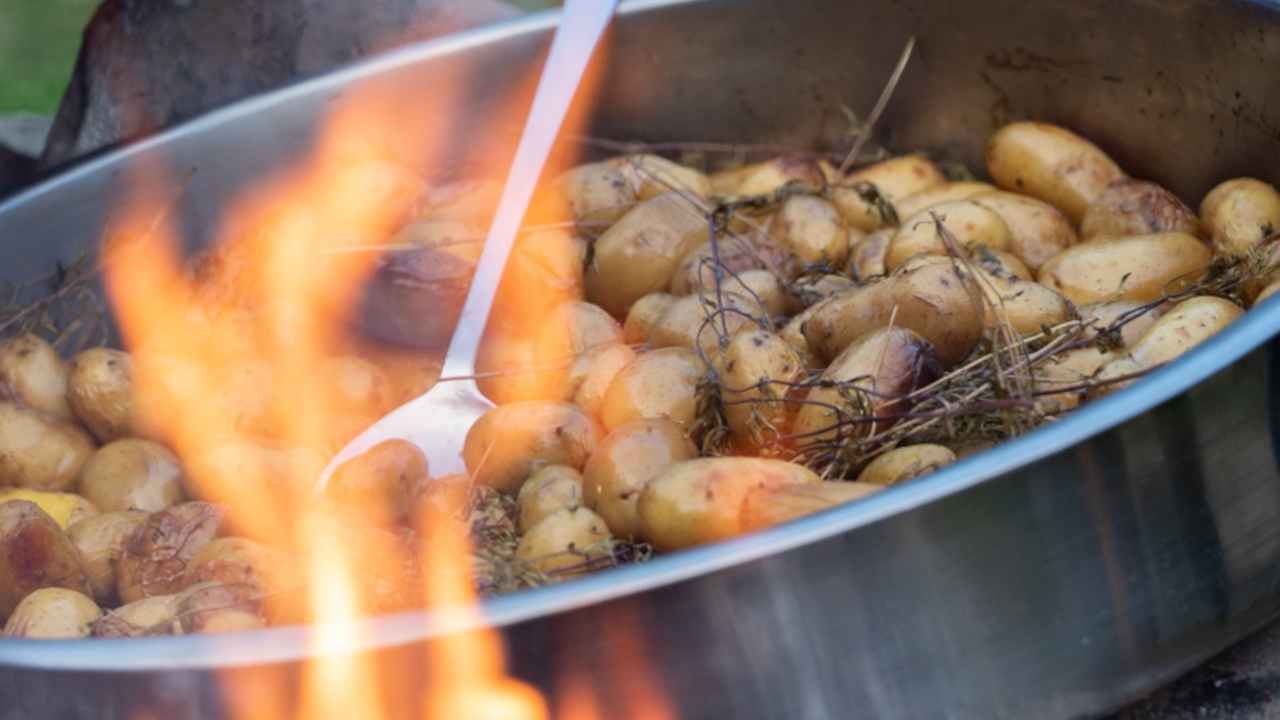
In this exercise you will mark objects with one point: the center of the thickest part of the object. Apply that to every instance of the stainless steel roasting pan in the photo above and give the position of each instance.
(1057, 576)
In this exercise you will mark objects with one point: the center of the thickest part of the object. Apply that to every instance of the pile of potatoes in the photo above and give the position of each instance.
(662, 374)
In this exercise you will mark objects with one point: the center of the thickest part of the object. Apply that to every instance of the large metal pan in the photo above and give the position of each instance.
(1056, 576)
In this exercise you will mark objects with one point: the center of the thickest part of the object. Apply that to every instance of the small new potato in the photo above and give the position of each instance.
(53, 613)
(734, 253)
(596, 192)
(507, 444)
(100, 541)
(894, 179)
(1050, 163)
(768, 176)
(699, 501)
(1037, 230)
(652, 175)
(757, 373)
(564, 542)
(866, 258)
(661, 383)
(1024, 305)
(133, 474)
(593, 372)
(1141, 267)
(100, 392)
(547, 491)
(644, 314)
(40, 452)
(1238, 213)
(1188, 324)
(624, 463)
(970, 224)
(812, 228)
(33, 374)
(697, 322)
(1136, 207)
(904, 463)
(919, 202)
(1101, 315)
(34, 553)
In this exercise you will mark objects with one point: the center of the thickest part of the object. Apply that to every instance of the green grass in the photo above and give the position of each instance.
(38, 44)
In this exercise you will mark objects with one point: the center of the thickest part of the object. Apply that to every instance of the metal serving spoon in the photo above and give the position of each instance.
(438, 420)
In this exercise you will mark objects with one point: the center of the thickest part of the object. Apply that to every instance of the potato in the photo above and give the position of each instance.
(699, 501)
(1050, 163)
(507, 444)
(813, 229)
(155, 556)
(34, 553)
(652, 175)
(550, 489)
(624, 463)
(280, 578)
(697, 322)
(932, 296)
(639, 253)
(1136, 207)
(904, 463)
(895, 178)
(919, 202)
(813, 289)
(100, 393)
(266, 482)
(1101, 315)
(472, 201)
(1238, 213)
(570, 330)
(768, 506)
(352, 384)
(972, 226)
(1001, 264)
(65, 508)
(757, 374)
(793, 333)
(235, 398)
(148, 616)
(1188, 324)
(1037, 230)
(1025, 305)
(447, 236)
(1141, 267)
(596, 192)
(565, 542)
(100, 542)
(766, 177)
(592, 374)
(219, 607)
(1267, 291)
(132, 474)
(33, 374)
(866, 259)
(40, 452)
(644, 314)
(737, 253)
(866, 381)
(546, 269)
(53, 613)
(662, 383)
(380, 483)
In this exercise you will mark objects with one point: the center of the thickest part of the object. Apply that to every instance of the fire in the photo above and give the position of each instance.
(227, 355)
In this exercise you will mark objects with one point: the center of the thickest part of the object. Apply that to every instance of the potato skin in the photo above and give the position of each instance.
(1136, 207)
(699, 501)
(550, 489)
(100, 542)
(1238, 213)
(100, 393)
(53, 613)
(132, 474)
(1188, 324)
(34, 553)
(1037, 230)
(1050, 163)
(697, 322)
(812, 228)
(559, 542)
(155, 556)
(644, 314)
(919, 202)
(1133, 268)
(1025, 305)
(624, 463)
(508, 443)
(278, 576)
(33, 374)
(40, 452)
(596, 192)
(142, 617)
(895, 178)
(972, 225)
(866, 258)
(768, 176)
(659, 383)
(904, 463)
(652, 175)
(757, 373)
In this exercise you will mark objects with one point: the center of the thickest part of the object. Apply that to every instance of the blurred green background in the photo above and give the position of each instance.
(38, 44)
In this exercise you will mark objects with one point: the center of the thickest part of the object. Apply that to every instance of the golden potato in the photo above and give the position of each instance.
(644, 314)
(970, 224)
(921, 201)
(1188, 324)
(380, 483)
(813, 229)
(866, 259)
(1024, 305)
(662, 383)
(53, 613)
(33, 374)
(596, 192)
(793, 333)
(764, 288)
(565, 542)
(1001, 264)
(652, 175)
(1101, 315)
(34, 553)
(592, 374)
(765, 507)
(1037, 230)
(895, 178)
(546, 269)
(1050, 163)
(697, 322)
(570, 330)
(737, 253)
(280, 578)
(155, 556)
(624, 463)
(813, 289)
(1140, 267)
(507, 444)
(904, 463)
(757, 374)
(40, 452)
(100, 542)
(132, 474)
(100, 392)
(65, 508)
(699, 501)
(768, 176)
(1136, 207)
(640, 252)
(550, 489)
(1238, 213)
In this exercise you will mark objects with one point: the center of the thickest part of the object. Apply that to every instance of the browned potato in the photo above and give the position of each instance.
(624, 463)
(381, 482)
(1037, 230)
(873, 374)
(100, 393)
(699, 501)
(155, 556)
(639, 253)
(507, 444)
(53, 613)
(972, 225)
(904, 463)
(565, 541)
(596, 192)
(1050, 163)
(65, 508)
(765, 177)
(33, 374)
(895, 179)
(132, 474)
(1238, 213)
(34, 553)
(644, 314)
(652, 175)
(758, 372)
(1136, 207)
(40, 452)
(813, 229)
(550, 489)
(1141, 267)
(698, 322)
(279, 578)
(662, 383)
(100, 542)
